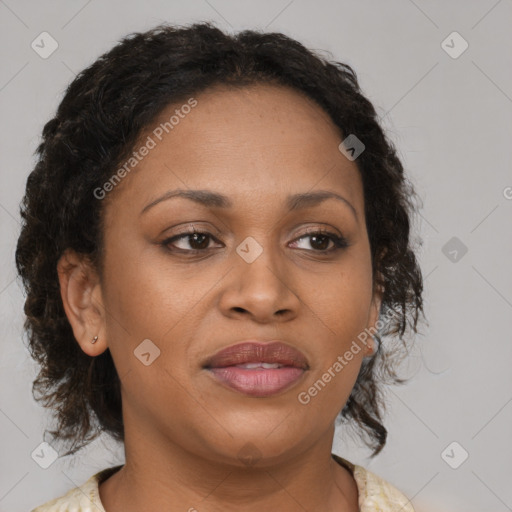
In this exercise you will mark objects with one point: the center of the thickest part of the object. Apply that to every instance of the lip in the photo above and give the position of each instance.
(255, 352)
(224, 366)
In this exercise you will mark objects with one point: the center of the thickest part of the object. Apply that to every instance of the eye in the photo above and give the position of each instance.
(197, 241)
(320, 239)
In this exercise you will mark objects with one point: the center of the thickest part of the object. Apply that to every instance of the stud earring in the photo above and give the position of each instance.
(376, 345)
(95, 339)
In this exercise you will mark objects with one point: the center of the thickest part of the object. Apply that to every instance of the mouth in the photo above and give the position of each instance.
(258, 369)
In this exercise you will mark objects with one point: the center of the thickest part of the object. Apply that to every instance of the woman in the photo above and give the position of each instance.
(215, 244)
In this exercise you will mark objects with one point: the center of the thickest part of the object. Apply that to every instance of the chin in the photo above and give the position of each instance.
(256, 449)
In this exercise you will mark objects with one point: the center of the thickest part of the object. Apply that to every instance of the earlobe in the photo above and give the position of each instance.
(81, 298)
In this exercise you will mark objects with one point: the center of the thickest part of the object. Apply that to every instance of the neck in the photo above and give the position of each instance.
(154, 477)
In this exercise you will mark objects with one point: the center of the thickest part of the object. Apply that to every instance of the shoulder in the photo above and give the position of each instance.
(375, 493)
(84, 498)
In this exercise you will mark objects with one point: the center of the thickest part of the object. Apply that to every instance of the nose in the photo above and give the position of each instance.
(262, 290)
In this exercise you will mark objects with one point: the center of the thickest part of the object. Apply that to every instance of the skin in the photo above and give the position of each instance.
(184, 430)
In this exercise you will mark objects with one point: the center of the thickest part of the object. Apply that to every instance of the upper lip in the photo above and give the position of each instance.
(258, 352)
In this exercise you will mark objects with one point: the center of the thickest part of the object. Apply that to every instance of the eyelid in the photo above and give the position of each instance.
(339, 240)
(193, 227)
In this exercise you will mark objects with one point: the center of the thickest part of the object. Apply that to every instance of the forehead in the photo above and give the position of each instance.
(249, 118)
(247, 141)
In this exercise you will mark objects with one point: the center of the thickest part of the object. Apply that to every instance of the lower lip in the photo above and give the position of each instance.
(260, 382)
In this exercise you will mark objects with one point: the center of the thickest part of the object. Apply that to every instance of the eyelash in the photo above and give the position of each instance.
(339, 242)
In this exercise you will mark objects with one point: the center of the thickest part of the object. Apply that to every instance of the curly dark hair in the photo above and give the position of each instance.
(104, 111)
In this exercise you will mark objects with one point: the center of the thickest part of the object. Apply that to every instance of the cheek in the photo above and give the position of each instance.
(341, 307)
(343, 298)
(146, 298)
(152, 310)
(327, 391)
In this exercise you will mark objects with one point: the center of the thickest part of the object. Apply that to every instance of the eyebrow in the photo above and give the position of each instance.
(212, 199)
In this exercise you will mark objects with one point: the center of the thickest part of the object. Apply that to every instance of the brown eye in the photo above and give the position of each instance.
(319, 241)
(197, 241)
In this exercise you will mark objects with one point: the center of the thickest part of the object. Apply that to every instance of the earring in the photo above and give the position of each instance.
(95, 339)
(370, 350)
(376, 345)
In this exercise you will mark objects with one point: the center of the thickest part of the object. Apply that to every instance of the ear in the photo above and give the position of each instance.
(82, 299)
(374, 316)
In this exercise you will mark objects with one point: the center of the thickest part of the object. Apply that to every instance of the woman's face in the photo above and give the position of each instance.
(253, 274)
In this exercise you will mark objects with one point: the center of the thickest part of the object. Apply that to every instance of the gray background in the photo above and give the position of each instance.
(451, 121)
